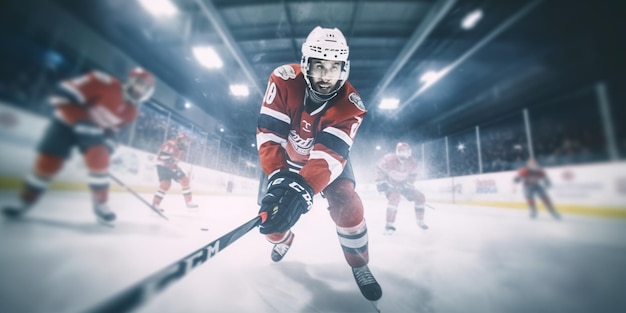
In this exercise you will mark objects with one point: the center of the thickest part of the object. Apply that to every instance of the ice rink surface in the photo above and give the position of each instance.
(472, 259)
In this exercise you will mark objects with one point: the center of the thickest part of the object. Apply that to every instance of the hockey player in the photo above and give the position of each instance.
(308, 121)
(168, 156)
(532, 176)
(89, 111)
(395, 175)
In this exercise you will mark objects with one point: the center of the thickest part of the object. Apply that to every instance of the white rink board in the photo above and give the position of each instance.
(20, 132)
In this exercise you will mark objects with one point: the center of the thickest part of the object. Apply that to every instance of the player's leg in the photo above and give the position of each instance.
(53, 149)
(529, 194)
(418, 198)
(186, 189)
(543, 195)
(96, 154)
(393, 200)
(165, 182)
(346, 210)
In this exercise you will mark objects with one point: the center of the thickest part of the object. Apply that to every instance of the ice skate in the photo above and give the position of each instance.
(280, 249)
(533, 215)
(367, 283)
(422, 225)
(158, 207)
(191, 205)
(103, 213)
(15, 211)
(389, 230)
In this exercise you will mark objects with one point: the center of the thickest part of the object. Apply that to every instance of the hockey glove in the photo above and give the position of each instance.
(383, 186)
(288, 196)
(110, 140)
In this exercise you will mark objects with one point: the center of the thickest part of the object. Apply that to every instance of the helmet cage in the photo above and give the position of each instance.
(139, 85)
(403, 151)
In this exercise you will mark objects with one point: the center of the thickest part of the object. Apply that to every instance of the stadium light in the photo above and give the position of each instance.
(389, 104)
(430, 77)
(159, 7)
(239, 90)
(471, 19)
(187, 105)
(207, 57)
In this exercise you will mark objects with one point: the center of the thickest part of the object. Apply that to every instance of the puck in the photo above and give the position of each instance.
(204, 229)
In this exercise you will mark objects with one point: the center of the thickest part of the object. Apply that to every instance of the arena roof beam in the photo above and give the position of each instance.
(210, 12)
(433, 17)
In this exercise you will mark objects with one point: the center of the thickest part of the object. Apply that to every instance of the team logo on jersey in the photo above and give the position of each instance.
(306, 126)
(285, 72)
(354, 98)
(300, 145)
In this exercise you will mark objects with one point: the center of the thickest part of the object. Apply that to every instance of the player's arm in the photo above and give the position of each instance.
(72, 91)
(330, 152)
(546, 179)
(520, 175)
(382, 177)
(273, 127)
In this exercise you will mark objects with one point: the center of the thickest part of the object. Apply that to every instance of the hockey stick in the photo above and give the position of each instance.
(147, 288)
(119, 182)
(429, 206)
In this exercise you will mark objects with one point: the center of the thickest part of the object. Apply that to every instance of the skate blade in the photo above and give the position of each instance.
(105, 223)
(375, 305)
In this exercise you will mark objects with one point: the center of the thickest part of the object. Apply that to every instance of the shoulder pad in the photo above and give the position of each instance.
(103, 77)
(285, 72)
(356, 99)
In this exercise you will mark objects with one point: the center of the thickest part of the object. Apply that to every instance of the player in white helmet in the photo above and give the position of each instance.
(396, 173)
(308, 122)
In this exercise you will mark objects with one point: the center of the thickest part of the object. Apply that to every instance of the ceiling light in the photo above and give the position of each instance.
(159, 7)
(239, 90)
(389, 103)
(187, 105)
(430, 77)
(207, 57)
(471, 19)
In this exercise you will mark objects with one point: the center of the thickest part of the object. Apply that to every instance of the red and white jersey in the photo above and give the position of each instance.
(531, 177)
(95, 97)
(169, 154)
(395, 171)
(315, 144)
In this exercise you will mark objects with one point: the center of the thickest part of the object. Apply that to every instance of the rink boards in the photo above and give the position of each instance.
(594, 189)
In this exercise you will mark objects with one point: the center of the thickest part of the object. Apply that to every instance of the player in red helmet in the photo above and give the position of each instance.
(308, 121)
(89, 110)
(396, 174)
(171, 152)
(535, 182)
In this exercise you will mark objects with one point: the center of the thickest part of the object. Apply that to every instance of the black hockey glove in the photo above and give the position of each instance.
(383, 186)
(288, 196)
(110, 140)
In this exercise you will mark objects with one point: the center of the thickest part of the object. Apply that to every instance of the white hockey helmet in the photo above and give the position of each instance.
(403, 150)
(325, 44)
(139, 85)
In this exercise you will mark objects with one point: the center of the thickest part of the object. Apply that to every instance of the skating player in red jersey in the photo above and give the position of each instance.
(308, 121)
(396, 174)
(89, 111)
(168, 156)
(535, 182)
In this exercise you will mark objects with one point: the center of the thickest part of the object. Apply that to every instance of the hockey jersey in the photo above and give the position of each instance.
(395, 171)
(95, 97)
(531, 177)
(169, 154)
(314, 144)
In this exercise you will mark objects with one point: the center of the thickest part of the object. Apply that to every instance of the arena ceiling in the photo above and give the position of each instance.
(519, 53)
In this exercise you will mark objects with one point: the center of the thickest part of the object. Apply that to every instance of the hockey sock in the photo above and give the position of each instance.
(354, 243)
